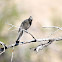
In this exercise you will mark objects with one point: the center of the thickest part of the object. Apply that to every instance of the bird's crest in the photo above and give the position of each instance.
(31, 18)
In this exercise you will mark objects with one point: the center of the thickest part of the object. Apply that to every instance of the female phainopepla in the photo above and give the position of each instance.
(24, 26)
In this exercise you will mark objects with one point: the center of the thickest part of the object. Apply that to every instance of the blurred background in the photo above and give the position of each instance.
(44, 13)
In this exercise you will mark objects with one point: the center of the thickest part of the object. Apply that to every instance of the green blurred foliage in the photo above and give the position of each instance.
(9, 14)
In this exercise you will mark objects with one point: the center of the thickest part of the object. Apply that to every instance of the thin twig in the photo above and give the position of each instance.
(52, 33)
(29, 33)
(12, 54)
(60, 28)
(11, 25)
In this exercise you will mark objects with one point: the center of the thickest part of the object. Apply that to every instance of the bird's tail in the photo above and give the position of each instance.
(20, 34)
(19, 30)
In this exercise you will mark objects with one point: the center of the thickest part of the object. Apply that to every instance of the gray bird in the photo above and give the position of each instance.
(25, 25)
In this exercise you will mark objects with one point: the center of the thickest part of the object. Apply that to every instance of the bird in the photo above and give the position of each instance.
(24, 25)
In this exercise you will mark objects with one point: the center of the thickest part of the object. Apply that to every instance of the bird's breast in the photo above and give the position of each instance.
(26, 25)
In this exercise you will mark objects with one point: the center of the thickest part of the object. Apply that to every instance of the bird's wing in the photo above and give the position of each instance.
(21, 26)
(19, 30)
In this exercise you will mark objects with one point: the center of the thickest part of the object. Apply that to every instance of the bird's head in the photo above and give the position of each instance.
(30, 18)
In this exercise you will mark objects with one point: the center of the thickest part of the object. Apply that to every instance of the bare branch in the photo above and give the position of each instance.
(60, 28)
(41, 46)
(53, 33)
(12, 54)
(11, 25)
(3, 47)
(37, 40)
(29, 33)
